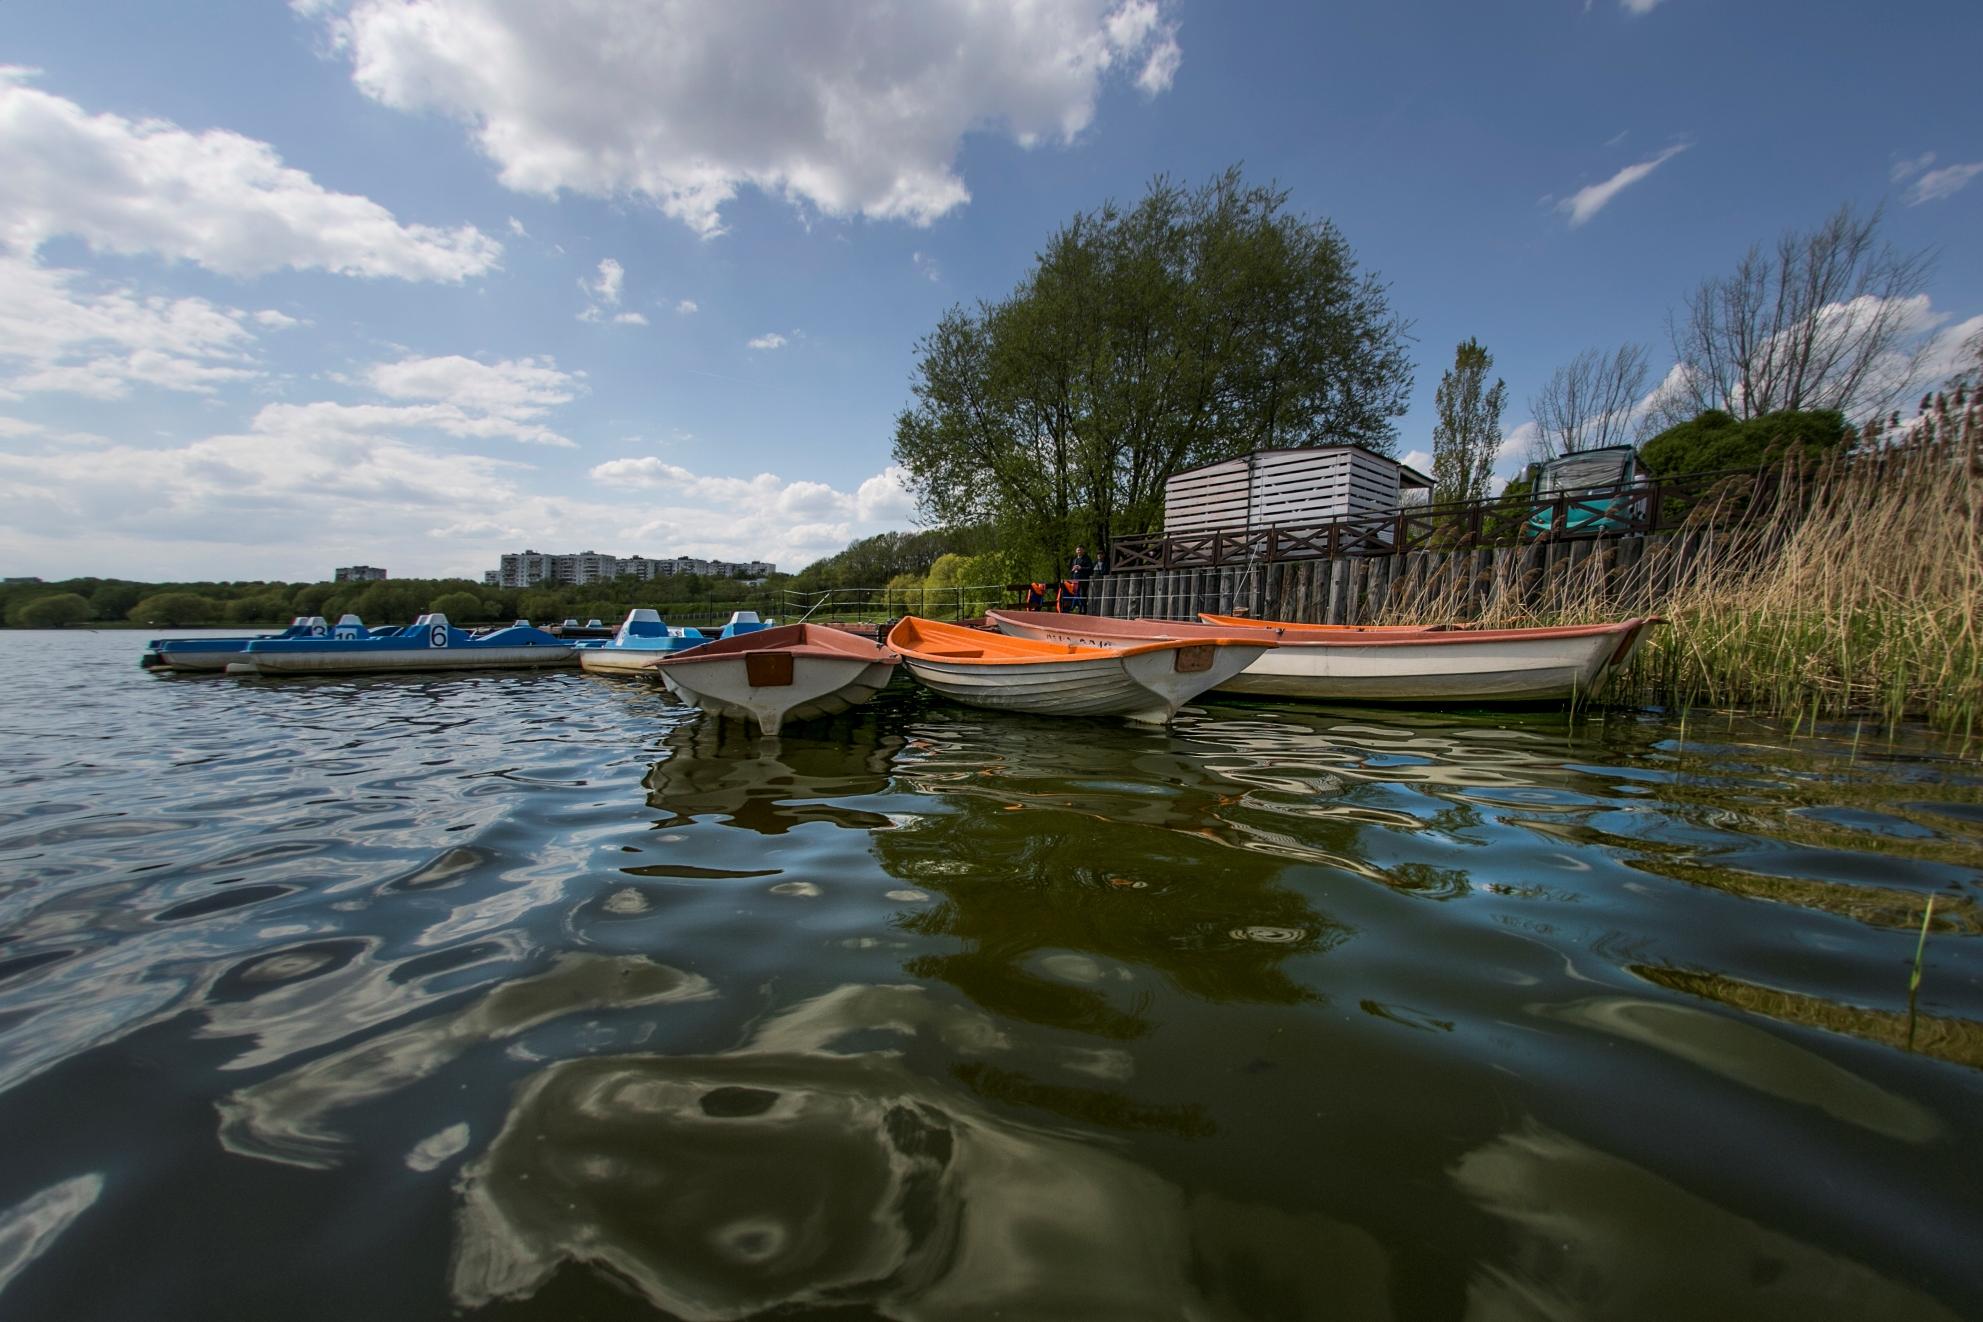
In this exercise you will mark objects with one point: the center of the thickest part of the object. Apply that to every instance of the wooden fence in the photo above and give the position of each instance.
(1634, 572)
(1633, 509)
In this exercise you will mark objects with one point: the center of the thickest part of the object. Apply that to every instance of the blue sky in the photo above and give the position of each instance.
(411, 284)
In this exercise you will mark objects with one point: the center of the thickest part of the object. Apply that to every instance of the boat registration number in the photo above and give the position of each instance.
(1193, 660)
(768, 670)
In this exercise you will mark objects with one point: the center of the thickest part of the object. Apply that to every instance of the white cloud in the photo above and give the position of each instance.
(791, 522)
(218, 199)
(462, 397)
(1637, 7)
(1587, 202)
(1945, 182)
(605, 292)
(771, 341)
(846, 106)
(612, 276)
(516, 228)
(687, 307)
(274, 320)
(58, 335)
(1908, 169)
(926, 267)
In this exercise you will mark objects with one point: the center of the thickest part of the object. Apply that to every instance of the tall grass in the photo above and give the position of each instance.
(1858, 592)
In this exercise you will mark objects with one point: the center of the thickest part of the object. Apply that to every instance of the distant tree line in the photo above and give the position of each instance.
(120, 602)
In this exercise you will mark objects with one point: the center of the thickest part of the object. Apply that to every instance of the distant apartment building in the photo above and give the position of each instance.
(358, 574)
(524, 569)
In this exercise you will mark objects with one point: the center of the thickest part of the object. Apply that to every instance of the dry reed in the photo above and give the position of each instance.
(1853, 588)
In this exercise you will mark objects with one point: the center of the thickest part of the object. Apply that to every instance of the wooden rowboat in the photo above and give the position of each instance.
(1390, 665)
(1143, 681)
(794, 672)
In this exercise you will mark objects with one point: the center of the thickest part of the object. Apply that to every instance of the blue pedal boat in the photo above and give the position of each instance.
(644, 637)
(429, 643)
(214, 654)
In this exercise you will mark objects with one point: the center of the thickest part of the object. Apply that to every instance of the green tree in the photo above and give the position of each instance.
(459, 607)
(176, 610)
(1467, 435)
(55, 612)
(113, 601)
(1197, 326)
(1716, 441)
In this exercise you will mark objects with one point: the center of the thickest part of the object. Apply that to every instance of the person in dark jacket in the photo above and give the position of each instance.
(1081, 571)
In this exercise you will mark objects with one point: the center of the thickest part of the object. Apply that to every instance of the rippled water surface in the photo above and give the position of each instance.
(538, 996)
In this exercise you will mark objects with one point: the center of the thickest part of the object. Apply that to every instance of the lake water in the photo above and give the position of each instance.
(539, 996)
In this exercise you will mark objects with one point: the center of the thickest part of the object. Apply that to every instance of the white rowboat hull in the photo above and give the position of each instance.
(1547, 665)
(820, 686)
(619, 660)
(1143, 686)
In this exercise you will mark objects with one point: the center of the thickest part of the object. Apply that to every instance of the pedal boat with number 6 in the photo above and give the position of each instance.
(429, 643)
(1146, 682)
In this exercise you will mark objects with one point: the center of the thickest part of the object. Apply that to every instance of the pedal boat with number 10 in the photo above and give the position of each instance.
(429, 643)
(791, 672)
(1334, 664)
(1144, 682)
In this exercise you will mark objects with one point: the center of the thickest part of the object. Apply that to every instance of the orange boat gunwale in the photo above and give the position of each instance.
(1428, 637)
(912, 635)
(798, 639)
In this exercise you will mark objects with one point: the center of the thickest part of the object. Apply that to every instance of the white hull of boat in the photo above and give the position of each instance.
(624, 661)
(405, 660)
(821, 686)
(1142, 686)
(1458, 667)
(170, 660)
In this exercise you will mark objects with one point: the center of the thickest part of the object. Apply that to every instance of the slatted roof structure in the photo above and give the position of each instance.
(1284, 488)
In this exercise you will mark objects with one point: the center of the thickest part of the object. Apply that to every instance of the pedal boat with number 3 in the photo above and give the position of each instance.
(214, 653)
(792, 672)
(1147, 681)
(429, 643)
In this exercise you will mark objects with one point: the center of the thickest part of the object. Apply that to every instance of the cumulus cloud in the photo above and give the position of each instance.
(1587, 202)
(217, 199)
(687, 307)
(772, 341)
(1637, 7)
(59, 334)
(463, 397)
(852, 107)
(629, 319)
(791, 522)
(1945, 182)
(926, 267)
(300, 484)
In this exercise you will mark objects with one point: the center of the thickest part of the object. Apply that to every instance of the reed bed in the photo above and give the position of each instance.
(1852, 589)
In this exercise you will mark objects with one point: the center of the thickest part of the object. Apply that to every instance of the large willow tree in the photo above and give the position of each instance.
(1197, 326)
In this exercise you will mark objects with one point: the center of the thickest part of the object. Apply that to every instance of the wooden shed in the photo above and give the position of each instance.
(1284, 488)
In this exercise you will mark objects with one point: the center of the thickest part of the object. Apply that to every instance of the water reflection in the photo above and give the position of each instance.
(770, 785)
(1578, 1216)
(786, 1174)
(287, 1118)
(1068, 894)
